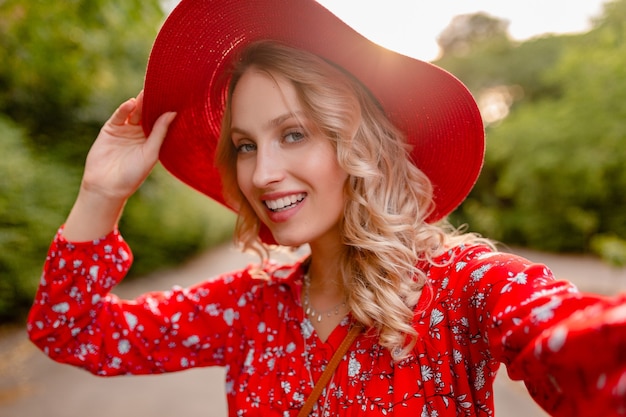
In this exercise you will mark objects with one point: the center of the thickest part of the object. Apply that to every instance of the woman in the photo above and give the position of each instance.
(315, 136)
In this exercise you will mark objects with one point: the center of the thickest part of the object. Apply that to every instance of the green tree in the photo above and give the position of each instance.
(478, 49)
(67, 64)
(34, 194)
(64, 68)
(554, 177)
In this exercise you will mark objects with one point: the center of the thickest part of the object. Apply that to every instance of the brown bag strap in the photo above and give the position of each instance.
(330, 369)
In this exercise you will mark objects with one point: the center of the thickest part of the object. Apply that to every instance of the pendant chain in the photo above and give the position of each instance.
(312, 312)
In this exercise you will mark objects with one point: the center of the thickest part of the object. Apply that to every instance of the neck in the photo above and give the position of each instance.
(324, 271)
(324, 296)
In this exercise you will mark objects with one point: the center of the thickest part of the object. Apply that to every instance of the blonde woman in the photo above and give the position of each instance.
(317, 137)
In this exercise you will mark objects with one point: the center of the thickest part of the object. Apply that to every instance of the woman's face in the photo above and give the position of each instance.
(286, 168)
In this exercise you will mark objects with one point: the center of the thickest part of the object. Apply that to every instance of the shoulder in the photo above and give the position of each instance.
(479, 265)
(268, 279)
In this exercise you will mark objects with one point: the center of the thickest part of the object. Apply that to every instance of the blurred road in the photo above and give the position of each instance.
(31, 385)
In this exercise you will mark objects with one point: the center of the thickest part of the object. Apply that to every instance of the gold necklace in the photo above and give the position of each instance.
(312, 312)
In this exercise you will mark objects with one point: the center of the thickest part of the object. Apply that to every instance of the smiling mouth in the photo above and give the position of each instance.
(284, 203)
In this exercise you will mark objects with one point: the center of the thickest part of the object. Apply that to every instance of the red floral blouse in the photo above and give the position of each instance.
(482, 309)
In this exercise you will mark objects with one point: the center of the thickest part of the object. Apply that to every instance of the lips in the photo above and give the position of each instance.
(284, 203)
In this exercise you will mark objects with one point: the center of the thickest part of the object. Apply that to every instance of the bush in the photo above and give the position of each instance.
(34, 196)
(554, 176)
(59, 106)
(165, 222)
(66, 65)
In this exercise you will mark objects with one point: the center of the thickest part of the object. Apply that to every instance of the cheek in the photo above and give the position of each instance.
(333, 179)
(326, 168)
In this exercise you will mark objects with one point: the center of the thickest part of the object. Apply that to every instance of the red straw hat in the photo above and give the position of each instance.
(188, 73)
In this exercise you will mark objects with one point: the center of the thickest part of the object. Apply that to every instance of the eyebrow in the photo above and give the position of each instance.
(283, 118)
(277, 121)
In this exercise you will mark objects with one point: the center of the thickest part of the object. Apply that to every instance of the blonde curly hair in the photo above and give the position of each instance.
(388, 198)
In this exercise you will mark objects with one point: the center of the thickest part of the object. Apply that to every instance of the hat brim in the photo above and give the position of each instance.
(188, 73)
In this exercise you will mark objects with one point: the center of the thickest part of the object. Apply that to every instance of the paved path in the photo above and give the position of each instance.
(31, 385)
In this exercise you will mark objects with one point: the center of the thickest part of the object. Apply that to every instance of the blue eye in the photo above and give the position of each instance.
(293, 137)
(246, 148)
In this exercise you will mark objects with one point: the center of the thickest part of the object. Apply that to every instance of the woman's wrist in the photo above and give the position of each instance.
(92, 216)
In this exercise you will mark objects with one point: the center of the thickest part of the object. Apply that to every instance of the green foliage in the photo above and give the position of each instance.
(472, 33)
(65, 67)
(610, 247)
(34, 195)
(554, 176)
(500, 61)
(165, 222)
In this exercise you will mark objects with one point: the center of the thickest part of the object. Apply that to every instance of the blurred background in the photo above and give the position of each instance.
(554, 104)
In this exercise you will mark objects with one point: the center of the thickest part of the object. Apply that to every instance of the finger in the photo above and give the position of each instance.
(159, 131)
(120, 115)
(135, 116)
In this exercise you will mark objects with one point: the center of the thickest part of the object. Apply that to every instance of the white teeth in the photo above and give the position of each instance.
(285, 202)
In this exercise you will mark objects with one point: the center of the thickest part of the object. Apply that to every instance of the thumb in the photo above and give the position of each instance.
(159, 131)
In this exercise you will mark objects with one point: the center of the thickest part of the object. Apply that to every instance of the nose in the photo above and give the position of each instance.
(269, 167)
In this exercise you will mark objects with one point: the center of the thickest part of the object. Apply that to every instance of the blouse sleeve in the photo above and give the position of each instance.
(568, 347)
(76, 320)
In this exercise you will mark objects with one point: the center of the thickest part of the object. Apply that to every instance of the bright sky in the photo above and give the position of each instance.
(412, 26)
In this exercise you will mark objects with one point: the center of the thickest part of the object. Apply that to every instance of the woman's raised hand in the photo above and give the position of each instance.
(118, 162)
(122, 157)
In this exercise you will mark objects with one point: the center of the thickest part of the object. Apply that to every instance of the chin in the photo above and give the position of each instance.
(289, 237)
(289, 241)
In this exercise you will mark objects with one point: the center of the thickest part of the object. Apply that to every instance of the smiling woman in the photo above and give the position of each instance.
(314, 135)
(288, 161)
(286, 176)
